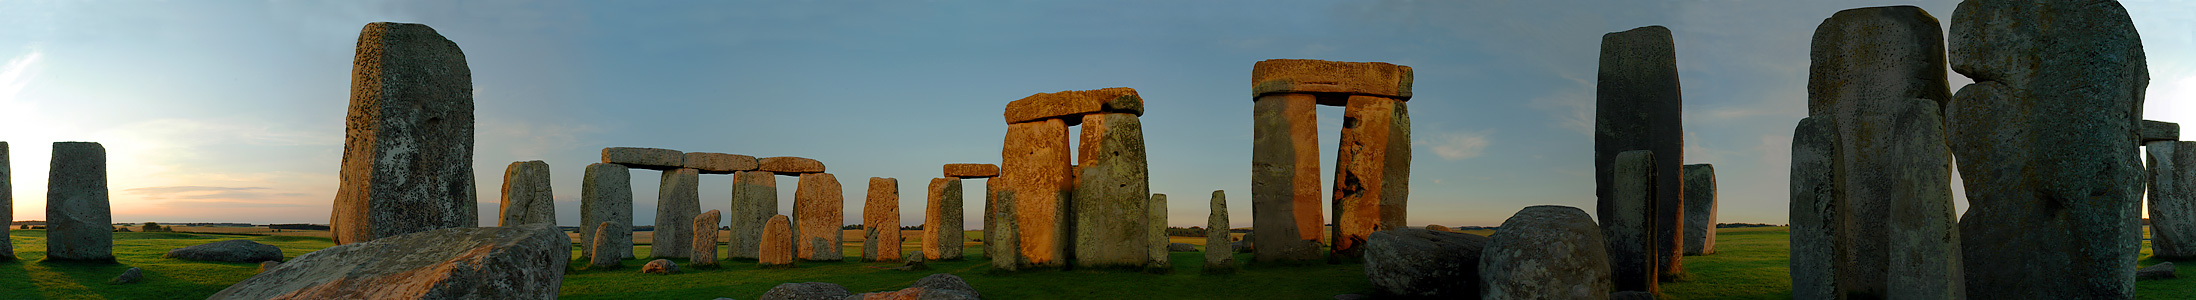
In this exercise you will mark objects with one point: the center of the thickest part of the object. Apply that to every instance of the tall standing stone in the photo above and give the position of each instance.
(1700, 209)
(754, 201)
(7, 204)
(1815, 211)
(1630, 227)
(819, 206)
(1155, 235)
(2045, 139)
(1113, 194)
(1035, 167)
(776, 249)
(77, 218)
(1219, 258)
(1640, 108)
(881, 220)
(1865, 63)
(704, 229)
(2172, 199)
(677, 201)
(526, 195)
(1285, 203)
(1372, 174)
(942, 229)
(608, 237)
(606, 195)
(408, 138)
(1007, 259)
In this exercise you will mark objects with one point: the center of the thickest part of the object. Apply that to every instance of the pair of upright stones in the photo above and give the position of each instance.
(1653, 211)
(1372, 172)
(1090, 207)
(607, 197)
(943, 233)
(2172, 178)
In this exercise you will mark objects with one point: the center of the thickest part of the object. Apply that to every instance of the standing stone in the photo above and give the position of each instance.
(1865, 63)
(1700, 209)
(754, 201)
(408, 138)
(1372, 172)
(1113, 195)
(1035, 168)
(1007, 258)
(881, 220)
(719, 163)
(971, 170)
(1545, 252)
(776, 249)
(1156, 235)
(645, 158)
(7, 205)
(77, 217)
(1629, 227)
(1285, 202)
(942, 229)
(1905, 139)
(677, 201)
(606, 195)
(1862, 54)
(1218, 257)
(2172, 199)
(819, 210)
(992, 230)
(1640, 108)
(788, 165)
(705, 238)
(608, 238)
(1816, 213)
(2045, 139)
(526, 195)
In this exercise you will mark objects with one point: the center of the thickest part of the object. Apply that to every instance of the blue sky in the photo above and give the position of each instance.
(232, 111)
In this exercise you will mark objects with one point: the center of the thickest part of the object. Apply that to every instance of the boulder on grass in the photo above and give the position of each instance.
(660, 266)
(807, 291)
(242, 251)
(2162, 270)
(1546, 251)
(128, 276)
(940, 286)
(1415, 262)
(523, 262)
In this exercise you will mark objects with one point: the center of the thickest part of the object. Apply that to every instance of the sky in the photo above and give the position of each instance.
(233, 111)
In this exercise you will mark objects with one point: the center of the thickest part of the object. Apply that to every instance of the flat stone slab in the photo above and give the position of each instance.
(77, 212)
(719, 163)
(2153, 131)
(645, 158)
(790, 166)
(527, 197)
(524, 262)
(1320, 76)
(1069, 104)
(240, 251)
(408, 137)
(965, 171)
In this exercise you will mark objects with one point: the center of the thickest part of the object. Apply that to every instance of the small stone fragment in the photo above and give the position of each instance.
(660, 266)
(705, 238)
(2162, 270)
(128, 276)
(645, 158)
(525, 262)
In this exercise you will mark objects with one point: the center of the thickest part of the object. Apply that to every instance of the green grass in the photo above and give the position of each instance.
(1749, 263)
(32, 278)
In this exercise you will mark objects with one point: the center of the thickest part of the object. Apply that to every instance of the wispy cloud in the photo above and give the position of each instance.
(1572, 107)
(1458, 145)
(196, 192)
(17, 74)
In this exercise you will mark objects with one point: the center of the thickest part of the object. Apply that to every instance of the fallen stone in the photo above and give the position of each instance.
(2172, 199)
(1419, 263)
(1815, 213)
(1639, 108)
(881, 220)
(645, 158)
(525, 262)
(820, 206)
(408, 137)
(660, 266)
(1373, 173)
(965, 171)
(1545, 252)
(942, 230)
(1629, 227)
(776, 249)
(242, 251)
(807, 291)
(606, 195)
(1438, 227)
(609, 236)
(1070, 104)
(1036, 158)
(790, 166)
(1700, 209)
(128, 276)
(704, 229)
(945, 282)
(1285, 182)
(77, 214)
(1218, 259)
(1305, 76)
(2153, 131)
(2162, 270)
(526, 195)
(719, 163)
(754, 201)
(1181, 247)
(677, 201)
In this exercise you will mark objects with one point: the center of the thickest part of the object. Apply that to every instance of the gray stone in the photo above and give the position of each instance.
(754, 201)
(660, 266)
(1866, 63)
(1155, 235)
(819, 207)
(242, 251)
(2162, 270)
(525, 262)
(677, 201)
(1218, 258)
(2172, 199)
(7, 204)
(1639, 108)
(1006, 257)
(1111, 209)
(408, 137)
(1285, 179)
(1901, 155)
(606, 195)
(1700, 209)
(1373, 173)
(1181, 247)
(806, 291)
(704, 229)
(2153, 131)
(943, 232)
(1629, 226)
(268, 265)
(527, 198)
(1890, 52)
(1816, 216)
(1419, 263)
(1545, 252)
(645, 158)
(2045, 139)
(608, 236)
(128, 276)
(719, 163)
(881, 220)
(77, 215)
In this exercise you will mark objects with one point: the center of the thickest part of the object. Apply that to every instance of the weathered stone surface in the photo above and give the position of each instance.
(608, 237)
(1867, 63)
(645, 158)
(1113, 193)
(945, 282)
(1035, 167)
(77, 214)
(1700, 209)
(1545, 252)
(268, 265)
(754, 201)
(677, 201)
(1640, 109)
(819, 209)
(790, 166)
(776, 249)
(1816, 215)
(991, 227)
(2045, 139)
(7, 204)
(242, 251)
(2172, 199)
(1005, 257)
(660, 266)
(704, 229)
(1285, 202)
(128, 276)
(940, 286)
(527, 198)
(1155, 235)
(719, 163)
(807, 291)
(881, 220)
(1629, 227)
(1319, 76)
(2153, 131)
(606, 195)
(942, 229)
(1419, 263)
(1070, 104)
(525, 262)
(408, 137)
(1860, 54)
(1219, 257)
(2162, 270)
(971, 170)
(1901, 151)
(1181, 247)
(1372, 173)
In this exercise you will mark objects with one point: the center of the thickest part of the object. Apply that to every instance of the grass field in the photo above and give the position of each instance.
(1751, 263)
